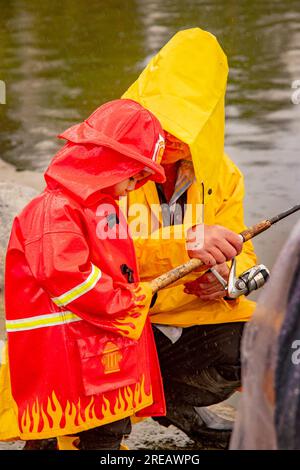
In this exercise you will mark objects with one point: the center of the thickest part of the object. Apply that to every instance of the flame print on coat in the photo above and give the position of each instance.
(40, 420)
(80, 343)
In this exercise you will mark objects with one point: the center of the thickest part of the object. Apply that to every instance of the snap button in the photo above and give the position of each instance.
(112, 219)
(127, 272)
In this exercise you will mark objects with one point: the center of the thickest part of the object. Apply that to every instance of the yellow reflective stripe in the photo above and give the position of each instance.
(41, 321)
(79, 290)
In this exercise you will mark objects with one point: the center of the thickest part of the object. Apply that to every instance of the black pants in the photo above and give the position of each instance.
(200, 369)
(107, 437)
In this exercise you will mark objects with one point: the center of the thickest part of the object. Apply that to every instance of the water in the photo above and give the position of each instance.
(62, 59)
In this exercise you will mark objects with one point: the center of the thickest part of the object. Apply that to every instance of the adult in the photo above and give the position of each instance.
(197, 330)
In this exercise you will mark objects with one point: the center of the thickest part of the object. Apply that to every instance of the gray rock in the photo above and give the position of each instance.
(13, 197)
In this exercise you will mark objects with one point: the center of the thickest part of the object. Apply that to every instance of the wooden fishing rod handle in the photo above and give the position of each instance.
(177, 273)
(180, 271)
(251, 232)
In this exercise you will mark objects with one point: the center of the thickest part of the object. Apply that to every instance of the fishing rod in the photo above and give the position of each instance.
(180, 271)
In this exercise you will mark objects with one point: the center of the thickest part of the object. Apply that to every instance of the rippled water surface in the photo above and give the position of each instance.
(60, 59)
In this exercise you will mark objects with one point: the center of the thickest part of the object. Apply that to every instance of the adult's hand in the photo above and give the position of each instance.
(213, 244)
(207, 286)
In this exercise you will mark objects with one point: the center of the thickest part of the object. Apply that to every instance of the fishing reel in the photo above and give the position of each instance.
(247, 282)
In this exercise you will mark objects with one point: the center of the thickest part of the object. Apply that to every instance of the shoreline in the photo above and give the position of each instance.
(9, 174)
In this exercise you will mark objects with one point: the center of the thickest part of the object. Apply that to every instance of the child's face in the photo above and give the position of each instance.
(122, 188)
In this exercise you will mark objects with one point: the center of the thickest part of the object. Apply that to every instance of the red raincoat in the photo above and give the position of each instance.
(81, 349)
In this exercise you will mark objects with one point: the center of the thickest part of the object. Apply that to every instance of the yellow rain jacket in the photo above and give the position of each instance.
(184, 87)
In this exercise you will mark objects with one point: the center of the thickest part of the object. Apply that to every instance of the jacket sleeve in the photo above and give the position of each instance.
(229, 210)
(60, 262)
(167, 249)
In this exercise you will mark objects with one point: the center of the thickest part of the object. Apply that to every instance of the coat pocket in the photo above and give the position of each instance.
(107, 363)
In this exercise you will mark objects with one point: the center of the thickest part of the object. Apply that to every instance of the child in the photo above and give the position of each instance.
(80, 344)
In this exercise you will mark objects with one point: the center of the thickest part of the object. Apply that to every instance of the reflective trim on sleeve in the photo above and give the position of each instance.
(81, 289)
(41, 321)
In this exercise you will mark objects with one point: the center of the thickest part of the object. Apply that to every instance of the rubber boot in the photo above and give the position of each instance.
(68, 443)
(123, 446)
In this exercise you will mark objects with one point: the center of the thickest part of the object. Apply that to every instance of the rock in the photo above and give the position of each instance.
(13, 197)
(32, 179)
(148, 434)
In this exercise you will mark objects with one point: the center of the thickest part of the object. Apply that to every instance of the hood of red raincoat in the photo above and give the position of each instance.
(120, 139)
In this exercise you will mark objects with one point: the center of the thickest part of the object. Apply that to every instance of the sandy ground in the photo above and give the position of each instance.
(145, 435)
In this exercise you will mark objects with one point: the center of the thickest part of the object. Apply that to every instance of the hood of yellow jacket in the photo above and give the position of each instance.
(184, 86)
